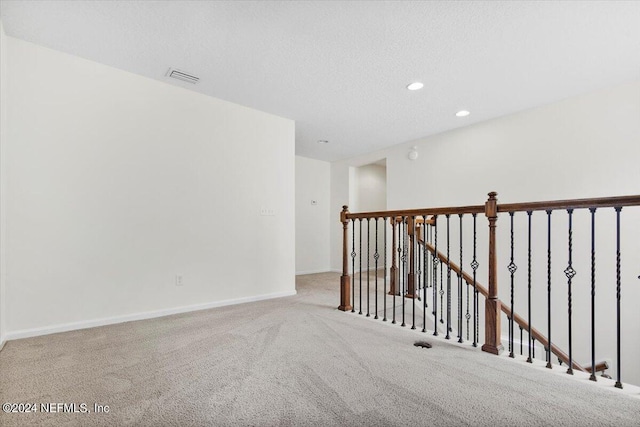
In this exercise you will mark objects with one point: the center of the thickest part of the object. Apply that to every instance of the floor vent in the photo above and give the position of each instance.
(181, 75)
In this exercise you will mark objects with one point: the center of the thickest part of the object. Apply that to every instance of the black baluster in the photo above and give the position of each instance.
(376, 255)
(404, 268)
(549, 288)
(460, 291)
(368, 259)
(412, 252)
(425, 278)
(384, 293)
(394, 276)
(512, 269)
(360, 311)
(474, 266)
(448, 282)
(353, 265)
(521, 339)
(529, 359)
(533, 347)
(435, 276)
(618, 285)
(570, 273)
(592, 377)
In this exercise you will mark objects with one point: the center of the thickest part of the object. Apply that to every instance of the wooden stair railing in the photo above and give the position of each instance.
(405, 226)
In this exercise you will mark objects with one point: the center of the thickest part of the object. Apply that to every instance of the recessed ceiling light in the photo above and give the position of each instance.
(323, 141)
(415, 86)
(462, 113)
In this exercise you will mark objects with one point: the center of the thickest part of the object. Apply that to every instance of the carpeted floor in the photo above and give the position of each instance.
(293, 361)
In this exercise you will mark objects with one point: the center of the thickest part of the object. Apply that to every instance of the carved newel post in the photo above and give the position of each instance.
(345, 279)
(492, 342)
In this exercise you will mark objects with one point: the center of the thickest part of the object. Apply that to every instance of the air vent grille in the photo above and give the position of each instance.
(181, 75)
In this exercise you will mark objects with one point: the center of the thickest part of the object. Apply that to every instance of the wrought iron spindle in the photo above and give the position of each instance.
(376, 255)
(425, 276)
(474, 266)
(435, 275)
(384, 290)
(570, 273)
(353, 265)
(512, 269)
(404, 268)
(529, 359)
(460, 291)
(549, 288)
(412, 278)
(521, 339)
(360, 274)
(592, 377)
(618, 286)
(394, 279)
(368, 259)
(448, 281)
(533, 347)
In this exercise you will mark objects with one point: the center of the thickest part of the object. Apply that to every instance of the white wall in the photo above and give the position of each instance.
(3, 130)
(117, 183)
(312, 220)
(586, 146)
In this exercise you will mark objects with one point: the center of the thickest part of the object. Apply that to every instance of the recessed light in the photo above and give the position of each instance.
(322, 141)
(462, 113)
(415, 86)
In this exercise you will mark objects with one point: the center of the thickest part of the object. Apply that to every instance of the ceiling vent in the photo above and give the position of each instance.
(181, 75)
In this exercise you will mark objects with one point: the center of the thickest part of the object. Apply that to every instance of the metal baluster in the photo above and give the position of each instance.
(384, 293)
(404, 268)
(521, 339)
(353, 265)
(549, 288)
(448, 282)
(435, 276)
(474, 266)
(425, 277)
(618, 285)
(376, 255)
(533, 347)
(570, 273)
(393, 249)
(512, 269)
(529, 359)
(413, 242)
(368, 259)
(592, 377)
(360, 312)
(460, 290)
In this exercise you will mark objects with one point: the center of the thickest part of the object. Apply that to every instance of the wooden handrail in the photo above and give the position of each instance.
(418, 212)
(518, 319)
(602, 202)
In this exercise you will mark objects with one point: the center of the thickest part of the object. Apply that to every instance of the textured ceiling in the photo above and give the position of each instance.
(340, 68)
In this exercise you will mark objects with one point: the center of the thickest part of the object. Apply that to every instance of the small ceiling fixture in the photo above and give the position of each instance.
(462, 113)
(322, 141)
(415, 86)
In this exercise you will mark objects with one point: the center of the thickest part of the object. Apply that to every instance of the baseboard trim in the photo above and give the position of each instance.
(2, 343)
(65, 327)
(302, 273)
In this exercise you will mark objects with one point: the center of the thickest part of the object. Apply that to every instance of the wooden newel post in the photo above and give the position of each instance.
(345, 279)
(492, 341)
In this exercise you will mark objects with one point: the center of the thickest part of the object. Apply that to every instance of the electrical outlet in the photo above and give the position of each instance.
(267, 212)
(179, 280)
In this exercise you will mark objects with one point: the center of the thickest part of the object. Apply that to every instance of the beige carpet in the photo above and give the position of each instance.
(292, 361)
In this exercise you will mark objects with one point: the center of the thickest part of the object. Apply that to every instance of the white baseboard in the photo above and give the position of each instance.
(2, 343)
(64, 327)
(325, 270)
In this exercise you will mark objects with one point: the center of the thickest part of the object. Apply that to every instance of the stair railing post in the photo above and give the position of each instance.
(345, 279)
(394, 267)
(492, 342)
